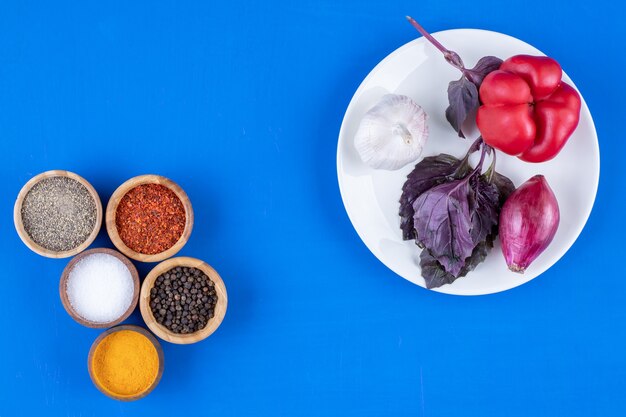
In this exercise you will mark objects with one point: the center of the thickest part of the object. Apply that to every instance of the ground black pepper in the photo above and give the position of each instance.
(58, 213)
(183, 300)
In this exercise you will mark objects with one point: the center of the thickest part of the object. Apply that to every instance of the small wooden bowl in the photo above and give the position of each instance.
(111, 213)
(163, 332)
(152, 340)
(66, 302)
(19, 225)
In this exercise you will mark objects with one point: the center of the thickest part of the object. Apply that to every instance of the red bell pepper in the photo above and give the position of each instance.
(527, 110)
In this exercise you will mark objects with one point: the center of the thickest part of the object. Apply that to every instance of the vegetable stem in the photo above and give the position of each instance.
(483, 152)
(473, 148)
(492, 167)
(427, 35)
(451, 57)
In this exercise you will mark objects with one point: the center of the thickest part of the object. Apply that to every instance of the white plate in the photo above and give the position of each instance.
(371, 197)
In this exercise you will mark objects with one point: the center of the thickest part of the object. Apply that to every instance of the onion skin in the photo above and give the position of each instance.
(528, 222)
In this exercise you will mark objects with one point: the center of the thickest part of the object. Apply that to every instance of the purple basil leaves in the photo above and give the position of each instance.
(451, 210)
(463, 97)
(443, 223)
(463, 102)
(484, 208)
(435, 275)
(428, 173)
(504, 185)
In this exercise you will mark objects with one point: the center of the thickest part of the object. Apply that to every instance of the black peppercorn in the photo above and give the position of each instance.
(183, 299)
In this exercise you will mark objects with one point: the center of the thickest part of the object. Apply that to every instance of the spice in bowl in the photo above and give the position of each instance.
(125, 363)
(58, 213)
(183, 300)
(150, 219)
(100, 288)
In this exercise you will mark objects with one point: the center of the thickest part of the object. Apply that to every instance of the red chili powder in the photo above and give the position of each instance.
(150, 218)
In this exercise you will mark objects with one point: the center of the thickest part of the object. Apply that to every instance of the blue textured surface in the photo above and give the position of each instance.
(241, 104)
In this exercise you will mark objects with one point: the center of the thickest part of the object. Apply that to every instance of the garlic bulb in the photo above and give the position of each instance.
(392, 133)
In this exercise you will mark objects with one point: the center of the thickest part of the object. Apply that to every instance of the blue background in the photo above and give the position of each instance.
(241, 104)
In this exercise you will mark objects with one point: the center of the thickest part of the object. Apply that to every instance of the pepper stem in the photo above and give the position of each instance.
(451, 57)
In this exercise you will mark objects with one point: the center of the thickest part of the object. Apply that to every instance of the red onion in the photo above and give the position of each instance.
(528, 223)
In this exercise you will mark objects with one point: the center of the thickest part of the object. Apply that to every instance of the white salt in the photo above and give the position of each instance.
(100, 288)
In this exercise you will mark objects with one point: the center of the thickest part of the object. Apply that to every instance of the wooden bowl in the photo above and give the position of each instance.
(66, 302)
(19, 225)
(111, 213)
(152, 340)
(163, 332)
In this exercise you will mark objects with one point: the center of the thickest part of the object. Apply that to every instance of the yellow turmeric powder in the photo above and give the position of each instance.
(125, 363)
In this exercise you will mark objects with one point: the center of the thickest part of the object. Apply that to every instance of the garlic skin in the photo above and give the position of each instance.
(392, 133)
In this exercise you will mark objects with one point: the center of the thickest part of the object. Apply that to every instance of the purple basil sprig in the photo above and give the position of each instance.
(463, 97)
(451, 210)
